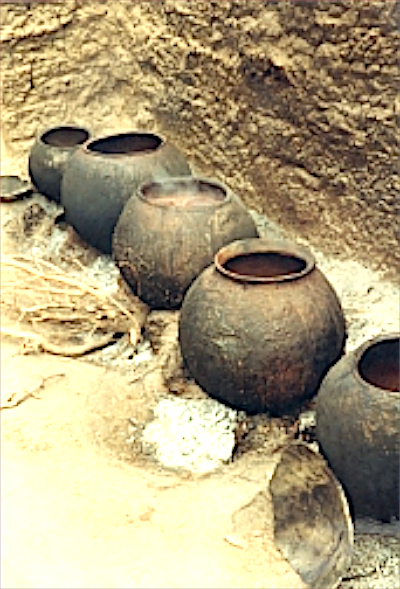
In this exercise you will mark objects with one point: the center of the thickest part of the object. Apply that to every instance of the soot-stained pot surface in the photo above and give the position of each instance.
(312, 522)
(170, 231)
(102, 176)
(49, 155)
(260, 327)
(358, 412)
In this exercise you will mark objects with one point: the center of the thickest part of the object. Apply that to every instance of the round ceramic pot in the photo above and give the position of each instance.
(260, 327)
(170, 230)
(102, 176)
(358, 412)
(50, 152)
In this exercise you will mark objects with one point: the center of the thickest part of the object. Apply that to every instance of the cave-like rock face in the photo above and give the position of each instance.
(293, 104)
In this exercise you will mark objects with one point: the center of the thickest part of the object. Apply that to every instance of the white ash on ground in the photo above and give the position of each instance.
(375, 563)
(197, 435)
(370, 303)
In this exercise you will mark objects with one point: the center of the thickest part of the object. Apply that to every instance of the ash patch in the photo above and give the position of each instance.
(196, 435)
(375, 563)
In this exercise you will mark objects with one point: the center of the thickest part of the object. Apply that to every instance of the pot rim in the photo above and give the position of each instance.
(257, 245)
(187, 180)
(40, 134)
(140, 153)
(360, 351)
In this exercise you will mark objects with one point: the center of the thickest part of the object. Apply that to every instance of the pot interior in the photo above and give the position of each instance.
(264, 265)
(379, 365)
(183, 193)
(65, 137)
(126, 143)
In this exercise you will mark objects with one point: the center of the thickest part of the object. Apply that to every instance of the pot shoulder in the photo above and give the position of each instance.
(347, 404)
(309, 297)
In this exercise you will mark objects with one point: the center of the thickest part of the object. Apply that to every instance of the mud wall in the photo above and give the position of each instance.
(294, 104)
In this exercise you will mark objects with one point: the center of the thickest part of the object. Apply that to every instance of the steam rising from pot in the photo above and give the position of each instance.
(184, 192)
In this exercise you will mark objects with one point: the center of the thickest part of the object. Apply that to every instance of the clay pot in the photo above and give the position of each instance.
(170, 230)
(50, 152)
(14, 188)
(104, 173)
(358, 411)
(260, 327)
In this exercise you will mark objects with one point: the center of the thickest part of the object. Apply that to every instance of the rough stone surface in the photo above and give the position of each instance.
(293, 104)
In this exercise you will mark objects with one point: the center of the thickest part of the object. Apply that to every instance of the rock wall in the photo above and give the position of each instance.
(294, 104)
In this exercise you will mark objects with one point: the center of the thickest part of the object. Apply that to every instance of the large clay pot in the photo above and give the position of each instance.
(358, 412)
(261, 326)
(50, 152)
(105, 172)
(170, 230)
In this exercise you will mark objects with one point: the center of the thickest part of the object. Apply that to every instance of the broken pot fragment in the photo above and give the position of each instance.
(312, 524)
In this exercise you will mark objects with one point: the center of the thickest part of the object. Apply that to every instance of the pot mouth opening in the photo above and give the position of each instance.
(263, 266)
(379, 365)
(184, 192)
(65, 136)
(126, 143)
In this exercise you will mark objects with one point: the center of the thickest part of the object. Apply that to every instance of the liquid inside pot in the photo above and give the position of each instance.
(379, 365)
(184, 193)
(126, 143)
(265, 265)
(65, 137)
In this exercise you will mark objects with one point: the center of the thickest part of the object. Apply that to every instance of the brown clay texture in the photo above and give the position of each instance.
(358, 429)
(312, 522)
(162, 248)
(97, 184)
(49, 155)
(260, 346)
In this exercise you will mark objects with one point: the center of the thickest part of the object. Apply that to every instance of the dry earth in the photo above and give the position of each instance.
(75, 515)
(294, 104)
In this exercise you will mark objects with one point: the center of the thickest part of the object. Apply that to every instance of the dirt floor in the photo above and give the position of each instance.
(83, 506)
(75, 515)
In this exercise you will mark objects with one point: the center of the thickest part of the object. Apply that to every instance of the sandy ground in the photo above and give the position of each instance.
(83, 509)
(74, 515)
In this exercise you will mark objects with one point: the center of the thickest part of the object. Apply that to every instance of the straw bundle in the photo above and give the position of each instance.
(62, 311)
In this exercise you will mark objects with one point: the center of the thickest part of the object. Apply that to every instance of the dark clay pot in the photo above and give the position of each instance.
(260, 327)
(51, 151)
(170, 230)
(358, 411)
(102, 176)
